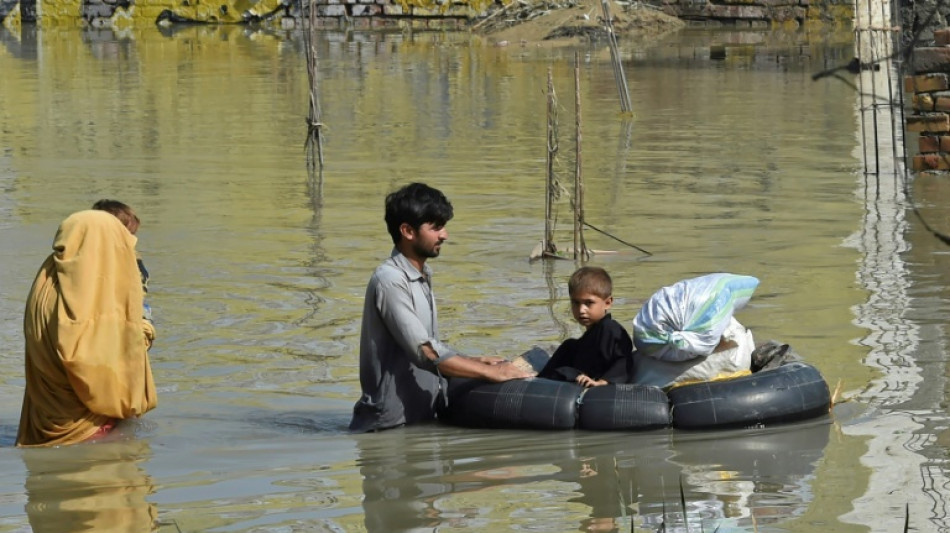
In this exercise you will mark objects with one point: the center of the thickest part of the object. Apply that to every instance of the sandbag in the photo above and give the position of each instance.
(731, 359)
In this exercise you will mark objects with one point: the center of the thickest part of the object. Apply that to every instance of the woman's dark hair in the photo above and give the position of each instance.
(416, 204)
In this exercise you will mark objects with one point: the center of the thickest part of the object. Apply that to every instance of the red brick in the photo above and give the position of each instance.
(931, 162)
(923, 102)
(928, 144)
(331, 11)
(383, 22)
(942, 37)
(931, 59)
(926, 83)
(363, 10)
(735, 12)
(935, 122)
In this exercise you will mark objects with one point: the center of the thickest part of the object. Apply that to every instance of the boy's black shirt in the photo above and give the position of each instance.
(605, 351)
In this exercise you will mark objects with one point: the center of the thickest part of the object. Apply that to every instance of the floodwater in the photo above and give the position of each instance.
(739, 163)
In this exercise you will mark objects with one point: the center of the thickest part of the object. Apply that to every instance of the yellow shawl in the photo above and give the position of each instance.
(86, 341)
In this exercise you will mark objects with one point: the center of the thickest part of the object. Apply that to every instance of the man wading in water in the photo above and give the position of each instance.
(403, 364)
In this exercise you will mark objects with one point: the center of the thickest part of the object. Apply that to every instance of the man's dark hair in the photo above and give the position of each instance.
(416, 204)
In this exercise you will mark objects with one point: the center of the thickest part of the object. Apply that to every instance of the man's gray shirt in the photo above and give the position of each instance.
(400, 384)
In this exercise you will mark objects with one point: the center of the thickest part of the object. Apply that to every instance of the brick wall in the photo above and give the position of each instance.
(425, 14)
(435, 14)
(759, 13)
(928, 90)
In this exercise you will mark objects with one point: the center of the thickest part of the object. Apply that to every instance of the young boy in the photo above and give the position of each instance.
(604, 353)
(131, 221)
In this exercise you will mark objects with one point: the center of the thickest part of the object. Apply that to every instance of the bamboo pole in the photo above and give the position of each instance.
(493, 15)
(314, 124)
(619, 76)
(580, 248)
(547, 247)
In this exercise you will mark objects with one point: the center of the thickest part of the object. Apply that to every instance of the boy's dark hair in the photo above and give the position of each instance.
(123, 212)
(594, 280)
(416, 204)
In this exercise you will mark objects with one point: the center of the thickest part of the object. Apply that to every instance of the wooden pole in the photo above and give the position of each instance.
(547, 247)
(580, 249)
(314, 125)
(621, 79)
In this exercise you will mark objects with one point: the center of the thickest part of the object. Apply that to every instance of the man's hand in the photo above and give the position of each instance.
(506, 371)
(488, 368)
(490, 359)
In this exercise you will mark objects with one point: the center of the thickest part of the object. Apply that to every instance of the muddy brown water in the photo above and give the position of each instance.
(741, 164)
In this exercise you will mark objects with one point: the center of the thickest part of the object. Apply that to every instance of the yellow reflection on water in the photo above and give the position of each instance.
(89, 487)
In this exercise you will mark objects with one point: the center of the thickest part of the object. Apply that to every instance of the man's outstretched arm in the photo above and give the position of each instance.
(488, 369)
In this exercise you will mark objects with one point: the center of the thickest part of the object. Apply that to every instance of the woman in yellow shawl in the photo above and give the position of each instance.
(86, 340)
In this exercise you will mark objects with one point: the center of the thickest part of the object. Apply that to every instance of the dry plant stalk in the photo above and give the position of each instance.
(314, 124)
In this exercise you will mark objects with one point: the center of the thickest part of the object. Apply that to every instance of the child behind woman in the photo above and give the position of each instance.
(604, 353)
(131, 221)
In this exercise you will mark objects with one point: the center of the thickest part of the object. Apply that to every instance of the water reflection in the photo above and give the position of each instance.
(753, 480)
(554, 302)
(89, 487)
(424, 480)
(22, 45)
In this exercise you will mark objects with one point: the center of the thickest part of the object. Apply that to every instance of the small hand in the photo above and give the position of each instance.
(585, 381)
(149, 333)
